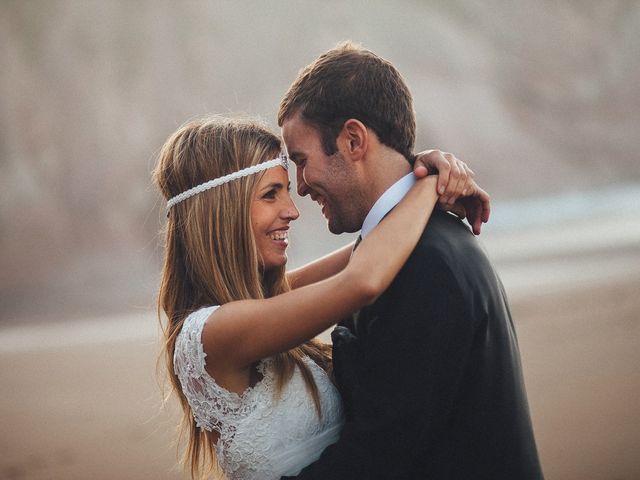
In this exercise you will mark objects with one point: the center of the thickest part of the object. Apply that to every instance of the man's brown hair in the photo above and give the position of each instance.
(347, 82)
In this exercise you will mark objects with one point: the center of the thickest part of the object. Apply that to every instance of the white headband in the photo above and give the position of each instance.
(281, 160)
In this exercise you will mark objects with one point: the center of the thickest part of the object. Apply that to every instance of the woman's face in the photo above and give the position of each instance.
(272, 210)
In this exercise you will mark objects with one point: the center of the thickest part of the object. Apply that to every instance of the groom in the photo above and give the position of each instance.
(430, 373)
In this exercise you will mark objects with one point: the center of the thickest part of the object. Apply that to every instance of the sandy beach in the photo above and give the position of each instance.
(80, 400)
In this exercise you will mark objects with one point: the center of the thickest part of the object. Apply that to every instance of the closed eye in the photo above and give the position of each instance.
(299, 161)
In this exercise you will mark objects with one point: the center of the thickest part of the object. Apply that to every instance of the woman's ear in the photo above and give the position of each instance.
(354, 138)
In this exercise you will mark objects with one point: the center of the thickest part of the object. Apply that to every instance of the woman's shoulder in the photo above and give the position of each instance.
(191, 330)
(200, 316)
(194, 323)
(189, 354)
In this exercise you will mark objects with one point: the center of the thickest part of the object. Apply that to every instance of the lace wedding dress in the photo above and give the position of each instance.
(262, 435)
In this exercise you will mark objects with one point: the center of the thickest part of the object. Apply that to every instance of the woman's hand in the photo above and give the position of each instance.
(475, 206)
(459, 193)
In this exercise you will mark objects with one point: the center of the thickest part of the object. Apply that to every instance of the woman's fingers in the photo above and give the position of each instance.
(468, 185)
(435, 162)
(455, 177)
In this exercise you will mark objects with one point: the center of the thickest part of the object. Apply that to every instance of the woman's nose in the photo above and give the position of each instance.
(291, 212)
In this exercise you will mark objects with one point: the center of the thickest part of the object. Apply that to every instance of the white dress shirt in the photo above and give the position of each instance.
(389, 199)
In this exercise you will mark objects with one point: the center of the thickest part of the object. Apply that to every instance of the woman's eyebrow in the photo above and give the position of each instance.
(276, 185)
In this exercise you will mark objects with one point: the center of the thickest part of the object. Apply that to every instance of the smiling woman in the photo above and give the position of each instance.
(225, 200)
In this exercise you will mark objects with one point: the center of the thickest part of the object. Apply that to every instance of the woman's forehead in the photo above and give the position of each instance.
(275, 175)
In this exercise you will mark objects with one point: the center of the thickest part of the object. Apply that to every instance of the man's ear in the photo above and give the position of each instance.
(354, 138)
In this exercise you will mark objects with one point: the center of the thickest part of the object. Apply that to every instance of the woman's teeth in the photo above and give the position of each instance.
(281, 235)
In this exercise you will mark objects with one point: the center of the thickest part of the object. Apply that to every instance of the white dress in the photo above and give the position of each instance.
(262, 435)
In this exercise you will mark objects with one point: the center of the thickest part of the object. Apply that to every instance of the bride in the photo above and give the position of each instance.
(240, 351)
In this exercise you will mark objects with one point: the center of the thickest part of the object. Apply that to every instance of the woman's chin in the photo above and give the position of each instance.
(273, 263)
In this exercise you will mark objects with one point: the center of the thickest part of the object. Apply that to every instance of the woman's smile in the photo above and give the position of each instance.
(280, 237)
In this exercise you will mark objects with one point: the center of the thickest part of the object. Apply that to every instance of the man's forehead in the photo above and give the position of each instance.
(298, 135)
(295, 152)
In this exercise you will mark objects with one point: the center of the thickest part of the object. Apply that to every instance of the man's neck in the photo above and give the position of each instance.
(387, 201)
(385, 170)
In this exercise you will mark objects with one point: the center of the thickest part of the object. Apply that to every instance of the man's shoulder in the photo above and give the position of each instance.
(441, 220)
(445, 232)
(448, 243)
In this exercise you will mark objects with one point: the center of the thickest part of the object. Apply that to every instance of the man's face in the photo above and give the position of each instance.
(328, 179)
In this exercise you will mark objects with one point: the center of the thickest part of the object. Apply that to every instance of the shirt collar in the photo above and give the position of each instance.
(389, 199)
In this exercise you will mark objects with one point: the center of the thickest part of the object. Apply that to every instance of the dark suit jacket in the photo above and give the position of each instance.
(430, 374)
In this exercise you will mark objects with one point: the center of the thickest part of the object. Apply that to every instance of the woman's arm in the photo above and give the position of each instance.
(321, 268)
(243, 332)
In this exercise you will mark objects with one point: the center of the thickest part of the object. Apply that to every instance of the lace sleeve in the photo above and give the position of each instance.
(213, 407)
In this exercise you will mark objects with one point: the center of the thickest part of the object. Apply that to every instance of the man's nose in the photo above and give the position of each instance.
(301, 185)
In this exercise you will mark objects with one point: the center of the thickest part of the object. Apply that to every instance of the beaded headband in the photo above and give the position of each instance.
(282, 160)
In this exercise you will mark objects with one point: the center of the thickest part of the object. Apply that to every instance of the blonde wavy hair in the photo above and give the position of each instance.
(210, 255)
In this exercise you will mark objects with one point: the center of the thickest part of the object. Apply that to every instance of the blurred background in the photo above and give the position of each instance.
(541, 99)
